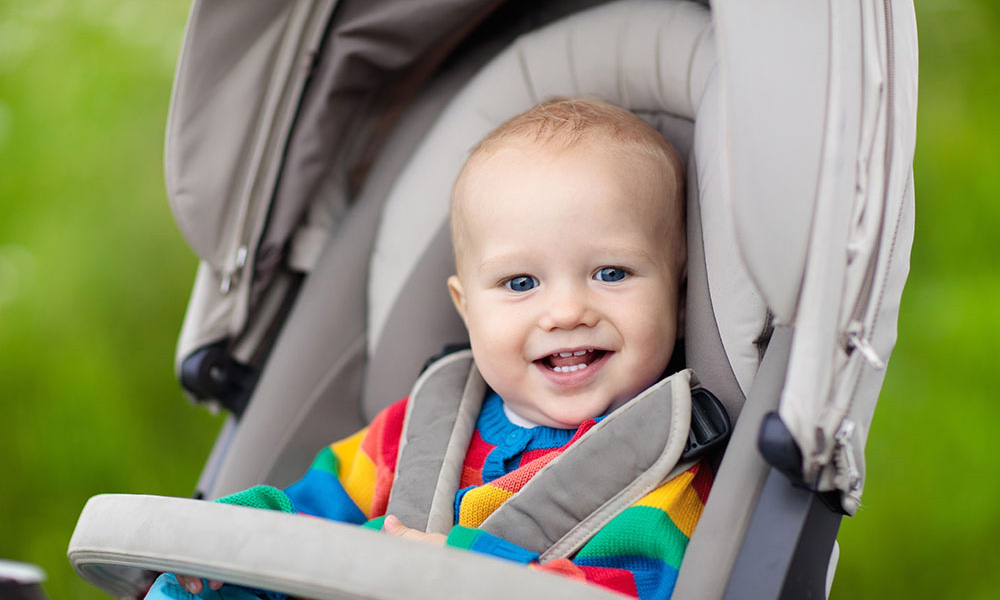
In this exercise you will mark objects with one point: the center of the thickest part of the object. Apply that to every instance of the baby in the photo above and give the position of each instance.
(567, 225)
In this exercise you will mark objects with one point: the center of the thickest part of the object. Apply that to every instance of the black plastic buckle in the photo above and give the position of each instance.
(710, 426)
(211, 372)
(781, 451)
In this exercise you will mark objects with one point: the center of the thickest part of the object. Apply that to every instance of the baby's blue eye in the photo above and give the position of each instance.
(521, 283)
(610, 274)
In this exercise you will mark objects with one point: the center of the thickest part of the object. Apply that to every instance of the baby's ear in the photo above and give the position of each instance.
(457, 295)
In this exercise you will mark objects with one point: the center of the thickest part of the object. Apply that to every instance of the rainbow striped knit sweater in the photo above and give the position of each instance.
(638, 553)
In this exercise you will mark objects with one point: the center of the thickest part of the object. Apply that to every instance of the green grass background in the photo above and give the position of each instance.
(94, 278)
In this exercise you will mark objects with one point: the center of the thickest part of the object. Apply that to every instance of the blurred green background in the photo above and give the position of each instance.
(94, 279)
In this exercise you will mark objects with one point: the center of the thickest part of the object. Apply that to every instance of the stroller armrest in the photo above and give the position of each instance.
(122, 541)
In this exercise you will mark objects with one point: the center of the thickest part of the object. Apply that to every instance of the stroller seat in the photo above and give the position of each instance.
(766, 241)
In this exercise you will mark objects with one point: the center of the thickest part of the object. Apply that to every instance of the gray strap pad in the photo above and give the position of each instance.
(440, 418)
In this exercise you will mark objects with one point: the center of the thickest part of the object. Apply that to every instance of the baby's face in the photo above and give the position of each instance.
(564, 281)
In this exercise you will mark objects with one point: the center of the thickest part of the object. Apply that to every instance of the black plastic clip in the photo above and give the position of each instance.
(710, 426)
(212, 373)
(781, 451)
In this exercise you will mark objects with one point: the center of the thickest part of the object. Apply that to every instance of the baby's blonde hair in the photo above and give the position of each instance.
(562, 124)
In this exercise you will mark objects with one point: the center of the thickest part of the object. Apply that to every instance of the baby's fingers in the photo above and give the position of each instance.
(393, 526)
(195, 585)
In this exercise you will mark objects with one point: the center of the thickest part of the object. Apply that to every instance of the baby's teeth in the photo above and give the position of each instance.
(579, 352)
(569, 369)
(569, 354)
(565, 354)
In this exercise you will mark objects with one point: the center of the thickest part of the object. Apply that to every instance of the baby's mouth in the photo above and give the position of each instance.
(569, 362)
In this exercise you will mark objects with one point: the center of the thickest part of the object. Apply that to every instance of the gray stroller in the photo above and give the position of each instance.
(311, 147)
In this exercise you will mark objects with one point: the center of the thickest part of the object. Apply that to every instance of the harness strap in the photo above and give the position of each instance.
(440, 419)
(628, 454)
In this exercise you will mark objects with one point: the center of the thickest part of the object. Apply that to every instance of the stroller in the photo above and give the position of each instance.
(311, 147)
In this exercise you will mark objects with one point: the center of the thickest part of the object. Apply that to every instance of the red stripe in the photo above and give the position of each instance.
(702, 482)
(381, 444)
(618, 580)
(392, 433)
(472, 468)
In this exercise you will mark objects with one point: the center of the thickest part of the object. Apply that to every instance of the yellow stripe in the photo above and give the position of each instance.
(346, 449)
(479, 503)
(357, 471)
(679, 500)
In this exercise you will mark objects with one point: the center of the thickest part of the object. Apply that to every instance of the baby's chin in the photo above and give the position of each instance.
(569, 419)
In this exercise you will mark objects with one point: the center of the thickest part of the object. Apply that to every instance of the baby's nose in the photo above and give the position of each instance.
(568, 310)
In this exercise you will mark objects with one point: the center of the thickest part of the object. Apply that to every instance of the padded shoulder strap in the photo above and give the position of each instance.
(440, 418)
(624, 457)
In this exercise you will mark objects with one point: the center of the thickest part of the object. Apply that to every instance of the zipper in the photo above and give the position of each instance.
(856, 334)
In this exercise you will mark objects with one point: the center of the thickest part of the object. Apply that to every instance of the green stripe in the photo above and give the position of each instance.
(639, 531)
(260, 496)
(463, 537)
(327, 461)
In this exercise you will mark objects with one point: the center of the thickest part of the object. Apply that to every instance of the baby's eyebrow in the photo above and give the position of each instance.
(504, 262)
(523, 261)
(625, 252)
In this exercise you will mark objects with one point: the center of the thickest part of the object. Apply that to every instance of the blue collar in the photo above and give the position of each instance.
(496, 429)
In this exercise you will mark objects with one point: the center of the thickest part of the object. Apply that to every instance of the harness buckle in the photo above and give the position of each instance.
(710, 426)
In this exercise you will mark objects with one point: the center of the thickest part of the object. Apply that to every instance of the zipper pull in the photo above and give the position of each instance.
(230, 277)
(846, 462)
(862, 345)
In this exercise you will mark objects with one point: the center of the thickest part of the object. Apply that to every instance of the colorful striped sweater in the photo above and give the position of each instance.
(638, 553)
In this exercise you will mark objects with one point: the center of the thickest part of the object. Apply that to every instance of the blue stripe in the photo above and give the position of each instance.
(320, 494)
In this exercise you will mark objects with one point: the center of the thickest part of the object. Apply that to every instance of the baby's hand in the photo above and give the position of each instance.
(393, 526)
(194, 585)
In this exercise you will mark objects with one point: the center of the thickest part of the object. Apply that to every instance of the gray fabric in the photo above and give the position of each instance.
(704, 350)
(863, 162)
(763, 156)
(439, 423)
(442, 513)
(882, 315)
(373, 45)
(230, 71)
(717, 539)
(623, 458)
(419, 326)
(739, 314)
(121, 539)
(311, 387)
(299, 370)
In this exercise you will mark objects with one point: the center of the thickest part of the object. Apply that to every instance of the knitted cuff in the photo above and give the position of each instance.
(261, 496)
(484, 542)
